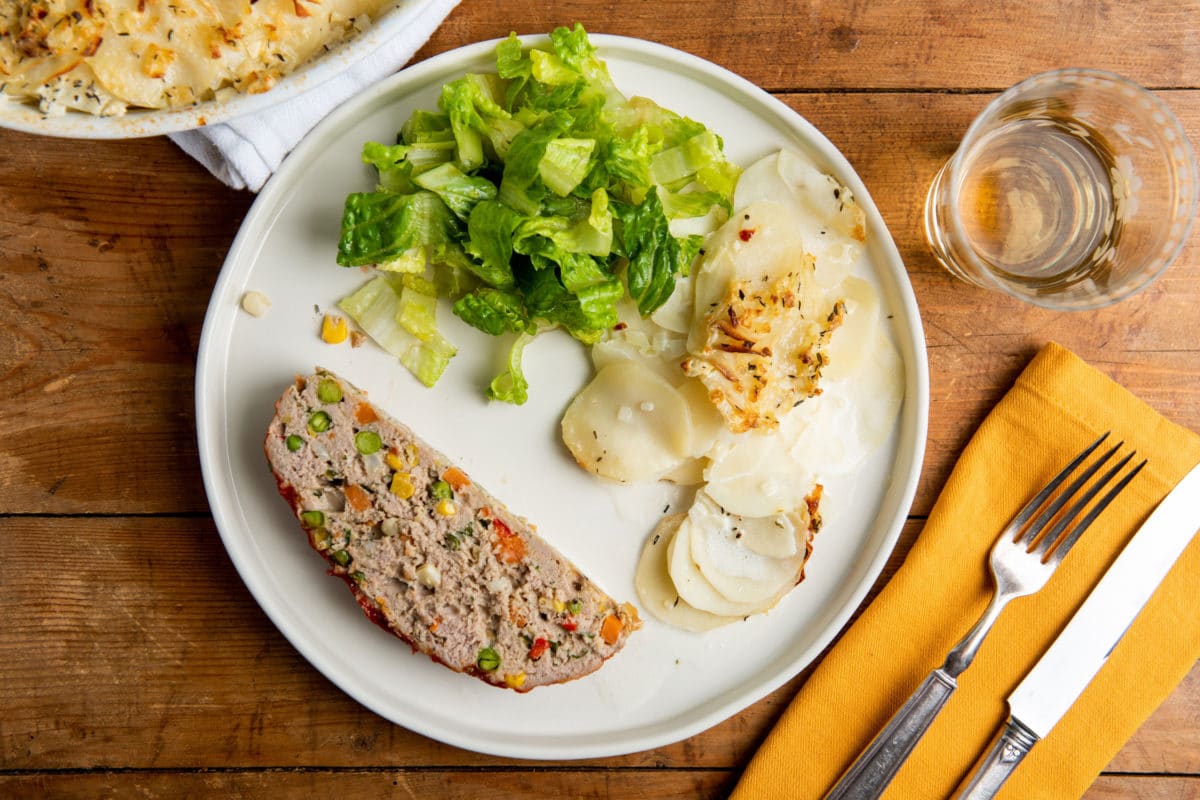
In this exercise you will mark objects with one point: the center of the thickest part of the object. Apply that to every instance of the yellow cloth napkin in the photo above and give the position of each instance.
(1057, 406)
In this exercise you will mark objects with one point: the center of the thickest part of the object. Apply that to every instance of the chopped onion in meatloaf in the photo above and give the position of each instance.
(429, 555)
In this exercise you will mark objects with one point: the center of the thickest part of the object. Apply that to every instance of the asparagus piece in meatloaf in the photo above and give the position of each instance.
(429, 555)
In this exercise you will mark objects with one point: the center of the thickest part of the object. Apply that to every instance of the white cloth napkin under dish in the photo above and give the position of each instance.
(244, 151)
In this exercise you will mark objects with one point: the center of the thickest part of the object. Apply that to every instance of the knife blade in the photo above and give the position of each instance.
(1084, 645)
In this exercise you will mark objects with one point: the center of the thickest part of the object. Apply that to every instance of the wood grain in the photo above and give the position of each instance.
(149, 614)
(459, 785)
(638, 784)
(133, 661)
(107, 269)
(105, 312)
(813, 46)
(417, 785)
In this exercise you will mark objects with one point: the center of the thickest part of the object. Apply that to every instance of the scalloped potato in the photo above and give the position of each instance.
(106, 56)
(773, 366)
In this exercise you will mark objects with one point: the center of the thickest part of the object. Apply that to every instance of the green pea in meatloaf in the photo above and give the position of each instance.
(431, 556)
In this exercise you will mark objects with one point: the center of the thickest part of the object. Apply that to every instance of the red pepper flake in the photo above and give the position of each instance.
(569, 624)
(538, 649)
(745, 233)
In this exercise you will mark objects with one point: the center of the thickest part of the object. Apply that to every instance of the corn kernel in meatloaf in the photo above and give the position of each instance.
(429, 554)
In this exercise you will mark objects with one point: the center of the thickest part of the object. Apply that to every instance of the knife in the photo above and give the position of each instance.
(1065, 670)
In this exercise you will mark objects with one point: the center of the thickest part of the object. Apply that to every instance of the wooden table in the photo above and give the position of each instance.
(132, 659)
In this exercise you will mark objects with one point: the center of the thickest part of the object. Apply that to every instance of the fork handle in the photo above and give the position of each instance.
(874, 769)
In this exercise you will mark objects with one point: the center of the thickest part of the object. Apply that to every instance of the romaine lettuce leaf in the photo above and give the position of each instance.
(511, 59)
(683, 204)
(427, 360)
(574, 50)
(426, 126)
(468, 102)
(411, 262)
(625, 161)
(579, 226)
(549, 69)
(419, 283)
(521, 187)
(655, 256)
(681, 162)
(417, 313)
(378, 227)
(459, 192)
(493, 311)
(585, 316)
(391, 162)
(565, 163)
(510, 386)
(490, 231)
(377, 308)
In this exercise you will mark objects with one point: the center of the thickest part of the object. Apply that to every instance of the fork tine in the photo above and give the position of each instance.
(1050, 539)
(1090, 517)
(1032, 506)
(1039, 524)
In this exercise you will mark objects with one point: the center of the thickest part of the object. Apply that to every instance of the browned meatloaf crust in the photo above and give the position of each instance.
(431, 556)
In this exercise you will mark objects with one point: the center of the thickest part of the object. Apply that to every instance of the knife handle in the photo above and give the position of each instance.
(1009, 748)
(874, 769)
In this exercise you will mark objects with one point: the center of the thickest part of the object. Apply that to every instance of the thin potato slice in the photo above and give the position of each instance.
(691, 585)
(773, 536)
(629, 424)
(736, 571)
(755, 475)
(856, 335)
(689, 472)
(707, 421)
(656, 590)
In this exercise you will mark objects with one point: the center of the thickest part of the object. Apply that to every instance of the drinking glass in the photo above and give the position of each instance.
(1071, 190)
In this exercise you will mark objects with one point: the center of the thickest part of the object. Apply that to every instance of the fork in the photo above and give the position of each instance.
(1022, 560)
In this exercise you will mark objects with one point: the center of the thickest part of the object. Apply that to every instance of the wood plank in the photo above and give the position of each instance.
(103, 301)
(1131, 787)
(149, 615)
(445, 785)
(640, 784)
(922, 44)
(104, 314)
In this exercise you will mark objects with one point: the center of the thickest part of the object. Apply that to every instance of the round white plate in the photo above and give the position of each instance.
(666, 684)
(135, 124)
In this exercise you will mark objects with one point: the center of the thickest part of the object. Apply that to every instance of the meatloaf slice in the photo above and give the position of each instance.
(430, 555)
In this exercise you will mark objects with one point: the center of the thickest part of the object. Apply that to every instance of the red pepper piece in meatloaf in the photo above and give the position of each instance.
(431, 556)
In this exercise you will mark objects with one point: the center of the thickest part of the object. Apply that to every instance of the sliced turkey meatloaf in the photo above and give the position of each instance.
(429, 554)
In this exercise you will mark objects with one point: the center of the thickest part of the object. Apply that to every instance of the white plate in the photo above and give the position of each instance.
(134, 124)
(666, 684)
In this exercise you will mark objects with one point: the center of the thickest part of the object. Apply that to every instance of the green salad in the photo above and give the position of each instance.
(535, 197)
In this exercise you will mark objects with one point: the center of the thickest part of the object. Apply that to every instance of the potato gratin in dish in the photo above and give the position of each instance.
(105, 57)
